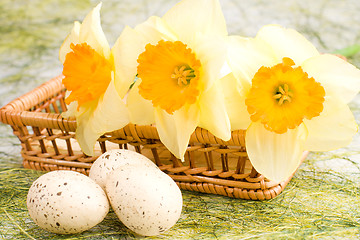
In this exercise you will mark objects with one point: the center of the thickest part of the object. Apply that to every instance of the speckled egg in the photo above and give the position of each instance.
(112, 159)
(66, 202)
(147, 202)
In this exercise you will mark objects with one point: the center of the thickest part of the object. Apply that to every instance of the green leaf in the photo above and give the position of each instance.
(348, 51)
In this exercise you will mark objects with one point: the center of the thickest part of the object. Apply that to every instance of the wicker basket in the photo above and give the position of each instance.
(211, 165)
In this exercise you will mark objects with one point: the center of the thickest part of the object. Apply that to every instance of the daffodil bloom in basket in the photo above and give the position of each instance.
(92, 78)
(289, 98)
(178, 60)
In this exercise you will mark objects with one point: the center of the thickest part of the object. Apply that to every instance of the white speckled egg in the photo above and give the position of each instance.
(147, 202)
(66, 202)
(112, 159)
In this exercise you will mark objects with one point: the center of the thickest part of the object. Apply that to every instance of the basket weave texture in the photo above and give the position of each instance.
(211, 164)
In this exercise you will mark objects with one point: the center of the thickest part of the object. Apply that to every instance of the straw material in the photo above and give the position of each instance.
(211, 165)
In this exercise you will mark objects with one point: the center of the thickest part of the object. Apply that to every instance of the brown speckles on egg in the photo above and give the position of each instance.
(143, 199)
(114, 159)
(65, 196)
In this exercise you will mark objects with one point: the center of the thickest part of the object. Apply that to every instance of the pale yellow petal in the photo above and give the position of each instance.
(155, 29)
(245, 57)
(175, 130)
(71, 110)
(141, 111)
(92, 33)
(125, 52)
(333, 129)
(73, 37)
(235, 95)
(74, 111)
(211, 51)
(201, 16)
(276, 156)
(287, 42)
(85, 108)
(213, 115)
(338, 77)
(225, 70)
(110, 114)
(84, 134)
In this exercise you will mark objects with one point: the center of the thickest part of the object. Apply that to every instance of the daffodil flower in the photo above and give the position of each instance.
(95, 90)
(289, 98)
(178, 59)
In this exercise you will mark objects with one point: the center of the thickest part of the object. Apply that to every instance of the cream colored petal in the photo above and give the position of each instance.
(85, 108)
(154, 29)
(74, 111)
(246, 55)
(71, 108)
(225, 70)
(125, 51)
(235, 96)
(334, 128)
(71, 111)
(175, 130)
(92, 33)
(338, 77)
(276, 156)
(73, 37)
(211, 51)
(84, 135)
(201, 16)
(287, 42)
(213, 115)
(141, 111)
(109, 115)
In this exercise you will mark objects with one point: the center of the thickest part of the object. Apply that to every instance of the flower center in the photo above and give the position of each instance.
(183, 74)
(87, 74)
(282, 96)
(170, 74)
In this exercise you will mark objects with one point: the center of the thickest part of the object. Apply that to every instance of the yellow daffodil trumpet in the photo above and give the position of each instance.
(282, 96)
(170, 75)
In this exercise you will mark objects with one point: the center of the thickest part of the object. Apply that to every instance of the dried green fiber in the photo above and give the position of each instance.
(316, 204)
